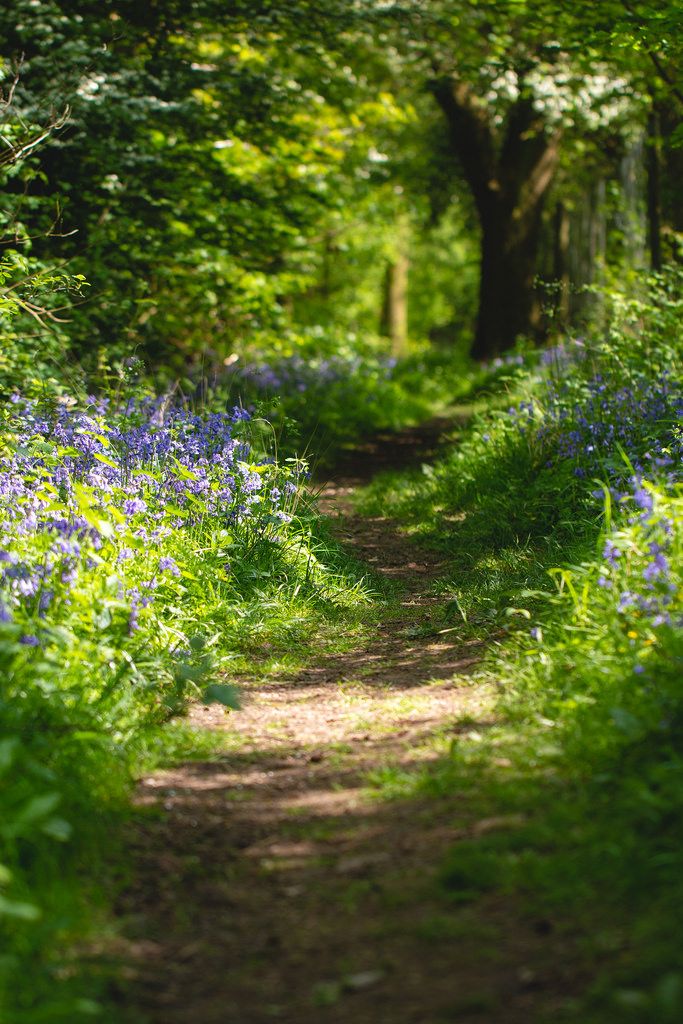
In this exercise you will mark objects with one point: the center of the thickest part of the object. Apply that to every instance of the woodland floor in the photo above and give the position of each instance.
(269, 884)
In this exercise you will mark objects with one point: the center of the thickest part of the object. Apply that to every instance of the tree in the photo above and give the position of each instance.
(203, 146)
(521, 88)
(515, 90)
(509, 169)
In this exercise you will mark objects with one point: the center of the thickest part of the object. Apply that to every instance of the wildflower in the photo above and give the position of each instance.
(642, 498)
(167, 564)
(611, 552)
(132, 506)
(656, 569)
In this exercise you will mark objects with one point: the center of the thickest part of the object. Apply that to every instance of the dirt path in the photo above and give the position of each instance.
(273, 887)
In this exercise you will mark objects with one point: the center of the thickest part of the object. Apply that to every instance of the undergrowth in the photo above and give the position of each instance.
(149, 554)
(323, 391)
(562, 521)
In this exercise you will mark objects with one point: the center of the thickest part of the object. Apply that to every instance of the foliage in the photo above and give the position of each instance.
(195, 237)
(563, 522)
(325, 390)
(143, 548)
(223, 191)
(155, 198)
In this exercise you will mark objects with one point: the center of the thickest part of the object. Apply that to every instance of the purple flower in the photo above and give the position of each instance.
(656, 569)
(642, 498)
(167, 564)
(134, 505)
(611, 552)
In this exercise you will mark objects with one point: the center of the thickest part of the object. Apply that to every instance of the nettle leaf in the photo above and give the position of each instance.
(176, 510)
(222, 693)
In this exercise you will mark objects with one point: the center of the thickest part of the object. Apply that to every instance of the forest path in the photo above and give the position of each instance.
(272, 885)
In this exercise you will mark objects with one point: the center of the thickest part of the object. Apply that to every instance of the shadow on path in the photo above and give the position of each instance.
(270, 886)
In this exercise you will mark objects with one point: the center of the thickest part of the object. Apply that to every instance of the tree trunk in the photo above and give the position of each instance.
(654, 192)
(508, 305)
(394, 319)
(509, 170)
(395, 311)
(560, 271)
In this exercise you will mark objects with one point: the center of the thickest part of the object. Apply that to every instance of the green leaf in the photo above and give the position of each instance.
(626, 723)
(106, 460)
(57, 828)
(176, 510)
(23, 911)
(222, 693)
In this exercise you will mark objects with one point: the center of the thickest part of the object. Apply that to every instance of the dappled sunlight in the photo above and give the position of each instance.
(341, 512)
(289, 829)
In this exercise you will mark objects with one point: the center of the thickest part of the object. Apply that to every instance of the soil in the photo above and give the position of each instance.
(270, 885)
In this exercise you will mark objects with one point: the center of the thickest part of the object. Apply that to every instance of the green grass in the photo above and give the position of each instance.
(91, 703)
(581, 767)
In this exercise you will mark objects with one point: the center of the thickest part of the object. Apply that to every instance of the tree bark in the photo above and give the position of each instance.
(560, 272)
(508, 305)
(654, 192)
(394, 318)
(509, 170)
(395, 311)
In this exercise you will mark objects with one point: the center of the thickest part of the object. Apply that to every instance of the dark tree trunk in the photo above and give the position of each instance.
(509, 170)
(560, 272)
(670, 178)
(508, 305)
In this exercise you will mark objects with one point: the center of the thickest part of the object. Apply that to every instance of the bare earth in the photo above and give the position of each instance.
(272, 885)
